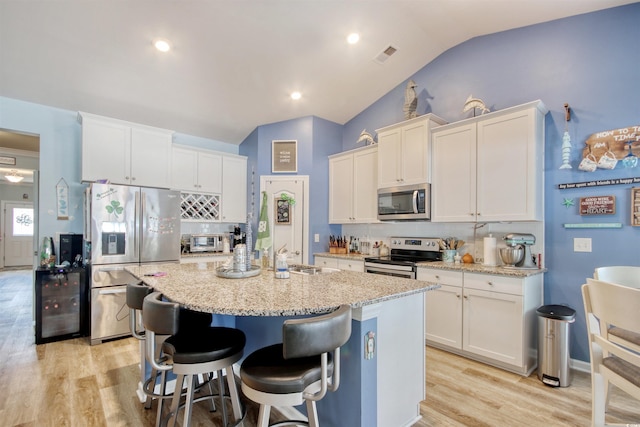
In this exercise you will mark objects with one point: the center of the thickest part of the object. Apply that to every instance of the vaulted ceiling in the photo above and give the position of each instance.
(234, 63)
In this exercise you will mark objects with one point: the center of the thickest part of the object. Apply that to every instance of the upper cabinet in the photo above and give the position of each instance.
(196, 170)
(352, 186)
(404, 151)
(234, 188)
(490, 168)
(125, 153)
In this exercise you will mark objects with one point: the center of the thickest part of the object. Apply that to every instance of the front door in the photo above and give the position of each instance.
(18, 234)
(288, 202)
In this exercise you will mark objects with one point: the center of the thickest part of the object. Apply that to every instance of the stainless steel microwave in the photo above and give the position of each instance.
(405, 203)
(206, 243)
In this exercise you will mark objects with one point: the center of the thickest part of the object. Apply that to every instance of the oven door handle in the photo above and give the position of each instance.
(415, 201)
(376, 270)
(113, 292)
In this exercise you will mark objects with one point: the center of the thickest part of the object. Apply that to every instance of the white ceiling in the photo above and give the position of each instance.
(235, 62)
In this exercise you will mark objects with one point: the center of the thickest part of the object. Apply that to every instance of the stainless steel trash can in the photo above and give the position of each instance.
(553, 344)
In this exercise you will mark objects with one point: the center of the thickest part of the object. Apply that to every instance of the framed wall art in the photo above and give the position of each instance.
(284, 156)
(283, 211)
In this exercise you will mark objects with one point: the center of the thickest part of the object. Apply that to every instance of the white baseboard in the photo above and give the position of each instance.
(581, 366)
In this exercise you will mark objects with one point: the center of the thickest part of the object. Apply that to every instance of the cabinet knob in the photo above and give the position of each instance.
(466, 297)
(133, 178)
(437, 277)
(458, 296)
(126, 177)
(490, 283)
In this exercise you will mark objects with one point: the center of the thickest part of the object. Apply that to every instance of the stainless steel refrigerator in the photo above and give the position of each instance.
(125, 225)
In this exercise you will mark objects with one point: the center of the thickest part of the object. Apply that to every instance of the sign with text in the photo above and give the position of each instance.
(598, 205)
(284, 156)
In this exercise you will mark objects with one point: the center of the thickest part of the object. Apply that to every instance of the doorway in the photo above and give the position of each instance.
(288, 207)
(18, 221)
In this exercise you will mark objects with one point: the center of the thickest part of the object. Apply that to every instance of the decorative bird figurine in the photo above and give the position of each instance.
(472, 103)
(410, 100)
(366, 137)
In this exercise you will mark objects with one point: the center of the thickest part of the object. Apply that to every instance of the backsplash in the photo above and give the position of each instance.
(474, 244)
(205, 227)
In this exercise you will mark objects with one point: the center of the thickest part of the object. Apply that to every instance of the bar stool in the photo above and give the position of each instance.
(192, 352)
(300, 369)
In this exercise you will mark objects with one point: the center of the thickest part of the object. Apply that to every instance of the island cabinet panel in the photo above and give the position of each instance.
(486, 317)
(490, 168)
(326, 262)
(125, 153)
(404, 155)
(351, 265)
(352, 186)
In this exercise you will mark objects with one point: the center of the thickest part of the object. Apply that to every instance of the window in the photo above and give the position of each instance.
(22, 222)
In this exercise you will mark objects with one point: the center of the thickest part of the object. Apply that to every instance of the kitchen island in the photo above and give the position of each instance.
(382, 384)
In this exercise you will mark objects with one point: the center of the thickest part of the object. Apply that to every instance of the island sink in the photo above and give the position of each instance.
(310, 270)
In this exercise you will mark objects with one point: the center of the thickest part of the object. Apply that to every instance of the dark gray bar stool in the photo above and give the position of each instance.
(299, 370)
(190, 353)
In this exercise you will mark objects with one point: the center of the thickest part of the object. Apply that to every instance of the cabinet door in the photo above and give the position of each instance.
(184, 167)
(351, 265)
(341, 189)
(150, 157)
(507, 168)
(492, 325)
(326, 262)
(210, 172)
(365, 185)
(234, 189)
(389, 158)
(415, 151)
(453, 185)
(105, 151)
(443, 316)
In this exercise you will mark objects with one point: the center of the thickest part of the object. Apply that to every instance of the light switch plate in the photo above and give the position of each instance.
(582, 244)
(316, 238)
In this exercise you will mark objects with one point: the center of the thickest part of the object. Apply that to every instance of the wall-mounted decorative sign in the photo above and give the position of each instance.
(4, 160)
(598, 205)
(62, 199)
(594, 225)
(599, 183)
(284, 156)
(283, 211)
(604, 149)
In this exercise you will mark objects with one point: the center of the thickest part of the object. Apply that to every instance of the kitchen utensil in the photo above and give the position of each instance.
(512, 255)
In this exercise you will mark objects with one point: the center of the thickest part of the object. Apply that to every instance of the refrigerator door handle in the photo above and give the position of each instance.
(137, 234)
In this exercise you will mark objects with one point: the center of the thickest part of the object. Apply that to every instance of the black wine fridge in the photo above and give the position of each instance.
(61, 304)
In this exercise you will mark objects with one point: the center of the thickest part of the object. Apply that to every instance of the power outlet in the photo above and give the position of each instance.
(582, 244)
(316, 238)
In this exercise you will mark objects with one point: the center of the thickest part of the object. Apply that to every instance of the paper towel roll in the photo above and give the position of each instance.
(490, 245)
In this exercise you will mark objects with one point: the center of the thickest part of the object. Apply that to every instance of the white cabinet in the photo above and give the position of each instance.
(340, 263)
(443, 307)
(125, 153)
(352, 186)
(490, 318)
(351, 265)
(490, 168)
(321, 261)
(196, 170)
(234, 188)
(404, 151)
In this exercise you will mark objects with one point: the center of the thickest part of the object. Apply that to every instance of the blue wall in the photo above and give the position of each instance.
(589, 61)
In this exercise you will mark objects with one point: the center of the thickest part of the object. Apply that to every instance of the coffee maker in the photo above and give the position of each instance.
(525, 241)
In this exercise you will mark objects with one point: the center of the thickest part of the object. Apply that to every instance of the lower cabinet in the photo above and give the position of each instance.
(486, 317)
(340, 263)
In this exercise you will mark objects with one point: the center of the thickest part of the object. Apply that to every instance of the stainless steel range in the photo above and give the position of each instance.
(405, 253)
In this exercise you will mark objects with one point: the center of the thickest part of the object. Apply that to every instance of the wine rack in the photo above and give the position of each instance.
(200, 207)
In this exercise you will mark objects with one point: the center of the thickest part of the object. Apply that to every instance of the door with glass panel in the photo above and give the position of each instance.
(17, 236)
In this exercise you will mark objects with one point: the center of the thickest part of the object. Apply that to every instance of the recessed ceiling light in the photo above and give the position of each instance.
(353, 38)
(296, 95)
(162, 45)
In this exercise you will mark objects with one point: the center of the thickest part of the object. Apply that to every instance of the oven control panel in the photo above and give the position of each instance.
(416, 243)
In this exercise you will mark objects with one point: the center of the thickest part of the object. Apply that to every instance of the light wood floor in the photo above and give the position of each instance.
(71, 383)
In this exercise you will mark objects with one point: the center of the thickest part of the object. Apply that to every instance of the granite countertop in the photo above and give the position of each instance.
(196, 286)
(205, 254)
(355, 257)
(479, 268)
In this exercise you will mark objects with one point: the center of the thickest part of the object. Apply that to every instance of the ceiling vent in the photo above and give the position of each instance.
(385, 54)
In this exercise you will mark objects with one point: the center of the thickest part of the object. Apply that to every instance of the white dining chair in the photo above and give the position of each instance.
(621, 274)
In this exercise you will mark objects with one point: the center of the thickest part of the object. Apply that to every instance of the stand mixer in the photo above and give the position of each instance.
(525, 241)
